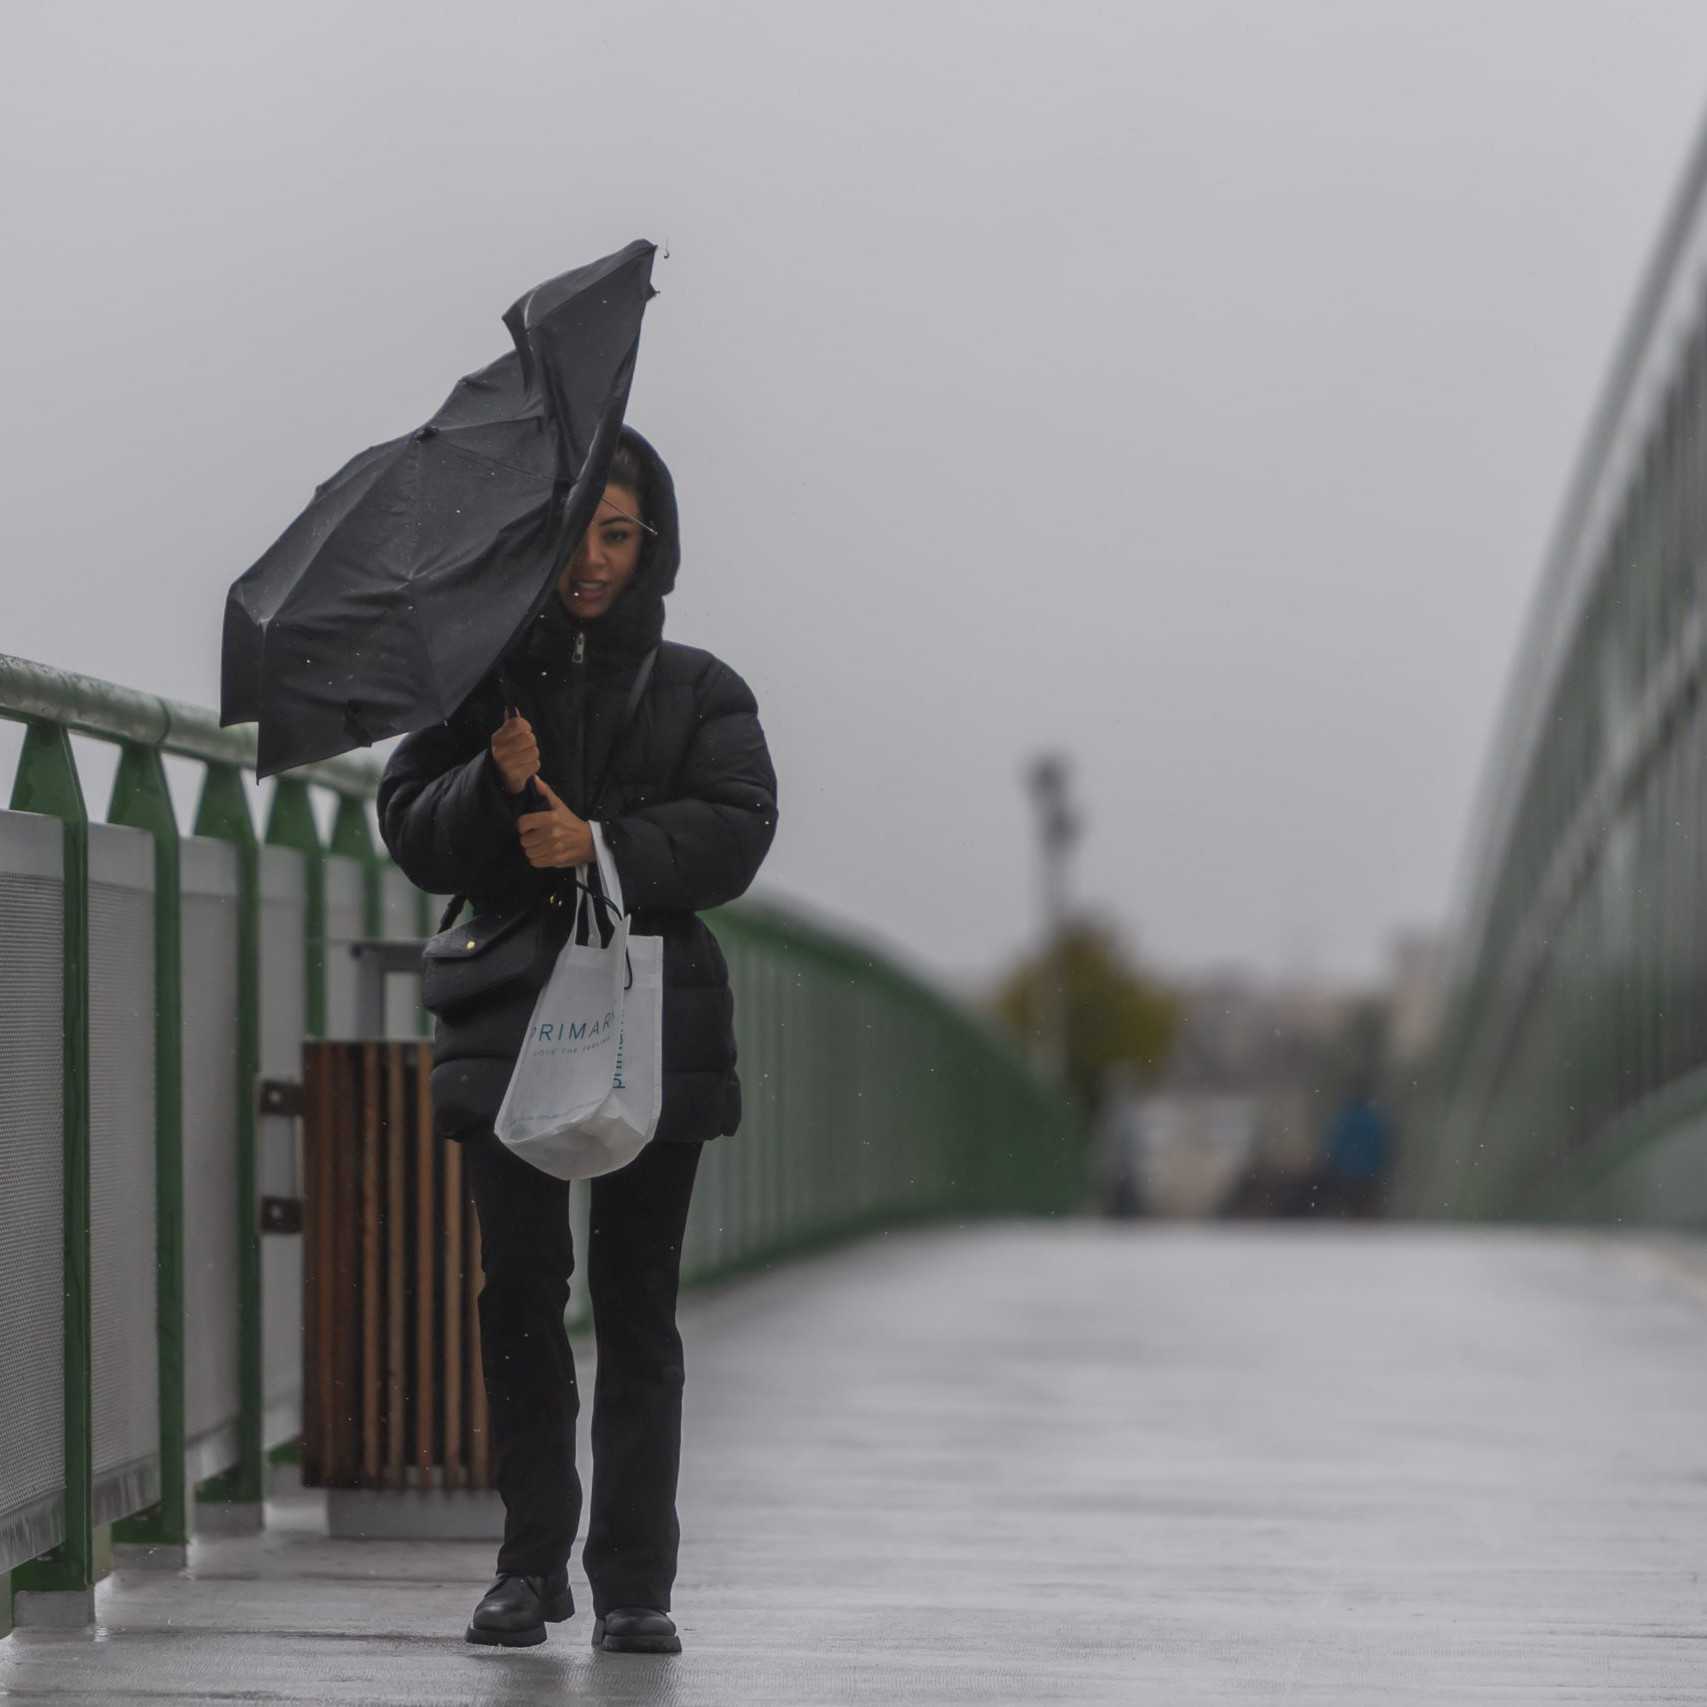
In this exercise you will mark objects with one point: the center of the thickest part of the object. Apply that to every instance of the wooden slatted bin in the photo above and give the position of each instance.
(394, 1409)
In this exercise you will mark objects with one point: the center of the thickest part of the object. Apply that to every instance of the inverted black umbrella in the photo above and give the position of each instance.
(418, 565)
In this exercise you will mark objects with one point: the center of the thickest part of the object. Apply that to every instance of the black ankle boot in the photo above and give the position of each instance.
(636, 1630)
(514, 1611)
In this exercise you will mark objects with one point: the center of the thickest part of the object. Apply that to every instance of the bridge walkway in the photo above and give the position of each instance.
(1075, 1462)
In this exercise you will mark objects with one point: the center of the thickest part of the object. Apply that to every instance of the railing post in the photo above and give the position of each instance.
(47, 782)
(352, 838)
(290, 824)
(223, 815)
(142, 799)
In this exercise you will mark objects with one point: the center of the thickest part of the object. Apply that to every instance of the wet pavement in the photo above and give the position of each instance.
(1074, 1463)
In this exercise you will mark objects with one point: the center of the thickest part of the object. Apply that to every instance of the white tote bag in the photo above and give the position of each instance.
(588, 1086)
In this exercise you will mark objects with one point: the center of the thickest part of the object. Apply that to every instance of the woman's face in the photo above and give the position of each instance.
(605, 560)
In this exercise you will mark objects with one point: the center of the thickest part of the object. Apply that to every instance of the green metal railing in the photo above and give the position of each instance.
(870, 1098)
(1570, 1082)
(53, 705)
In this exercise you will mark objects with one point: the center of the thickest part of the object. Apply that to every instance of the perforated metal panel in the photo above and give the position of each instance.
(125, 1343)
(401, 920)
(209, 879)
(284, 923)
(345, 895)
(32, 1173)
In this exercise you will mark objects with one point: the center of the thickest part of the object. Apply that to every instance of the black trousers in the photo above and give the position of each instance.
(637, 1216)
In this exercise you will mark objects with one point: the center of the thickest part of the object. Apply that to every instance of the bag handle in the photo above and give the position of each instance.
(600, 887)
(604, 863)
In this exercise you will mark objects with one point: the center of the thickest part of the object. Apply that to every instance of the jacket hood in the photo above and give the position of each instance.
(635, 623)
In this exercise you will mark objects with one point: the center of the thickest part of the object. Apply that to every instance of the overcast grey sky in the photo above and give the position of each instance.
(1186, 385)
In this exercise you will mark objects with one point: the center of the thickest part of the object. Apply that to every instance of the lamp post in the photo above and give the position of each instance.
(1059, 826)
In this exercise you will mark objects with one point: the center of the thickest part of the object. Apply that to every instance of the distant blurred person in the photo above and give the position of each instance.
(1355, 1167)
(1116, 1141)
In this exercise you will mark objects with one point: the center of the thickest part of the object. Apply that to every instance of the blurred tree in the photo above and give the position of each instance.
(1115, 1014)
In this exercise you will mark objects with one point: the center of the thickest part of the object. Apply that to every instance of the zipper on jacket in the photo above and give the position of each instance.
(579, 655)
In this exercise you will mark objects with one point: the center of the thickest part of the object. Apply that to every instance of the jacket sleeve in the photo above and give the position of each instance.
(444, 815)
(704, 846)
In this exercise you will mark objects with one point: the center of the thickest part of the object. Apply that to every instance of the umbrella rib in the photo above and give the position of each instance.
(425, 639)
(496, 462)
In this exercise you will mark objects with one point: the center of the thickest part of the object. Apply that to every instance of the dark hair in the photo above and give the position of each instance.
(626, 469)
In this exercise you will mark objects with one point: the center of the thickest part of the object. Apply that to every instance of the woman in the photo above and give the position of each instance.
(595, 720)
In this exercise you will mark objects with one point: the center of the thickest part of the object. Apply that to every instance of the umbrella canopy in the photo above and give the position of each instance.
(417, 566)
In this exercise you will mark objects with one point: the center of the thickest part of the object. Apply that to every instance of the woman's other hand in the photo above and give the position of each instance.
(556, 837)
(516, 753)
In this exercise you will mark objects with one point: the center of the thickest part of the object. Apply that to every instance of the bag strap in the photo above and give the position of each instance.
(530, 799)
(636, 693)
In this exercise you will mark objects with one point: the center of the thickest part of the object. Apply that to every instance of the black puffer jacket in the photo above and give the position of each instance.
(687, 802)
